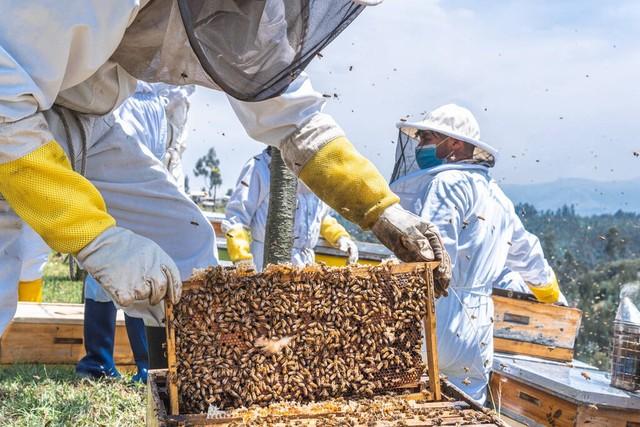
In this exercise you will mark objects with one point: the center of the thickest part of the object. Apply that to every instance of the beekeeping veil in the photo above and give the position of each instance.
(251, 49)
(450, 120)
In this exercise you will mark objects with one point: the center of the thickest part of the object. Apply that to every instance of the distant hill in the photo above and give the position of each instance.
(589, 197)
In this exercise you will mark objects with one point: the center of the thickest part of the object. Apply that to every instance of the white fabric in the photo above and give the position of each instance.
(46, 48)
(482, 235)
(249, 205)
(176, 99)
(346, 244)
(35, 254)
(510, 280)
(451, 120)
(293, 121)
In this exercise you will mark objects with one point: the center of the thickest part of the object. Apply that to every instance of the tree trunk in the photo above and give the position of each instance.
(282, 207)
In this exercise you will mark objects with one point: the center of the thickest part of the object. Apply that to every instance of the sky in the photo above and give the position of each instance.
(553, 84)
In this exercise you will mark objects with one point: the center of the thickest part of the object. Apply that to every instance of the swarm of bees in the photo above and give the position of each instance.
(376, 411)
(335, 332)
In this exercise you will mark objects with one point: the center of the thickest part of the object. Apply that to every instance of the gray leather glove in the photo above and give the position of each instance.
(412, 239)
(131, 268)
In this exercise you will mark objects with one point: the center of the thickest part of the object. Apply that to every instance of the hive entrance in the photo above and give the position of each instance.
(297, 334)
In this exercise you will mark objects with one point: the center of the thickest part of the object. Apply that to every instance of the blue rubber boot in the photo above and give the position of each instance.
(139, 347)
(99, 336)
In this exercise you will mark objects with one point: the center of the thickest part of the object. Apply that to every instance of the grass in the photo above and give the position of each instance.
(57, 285)
(40, 395)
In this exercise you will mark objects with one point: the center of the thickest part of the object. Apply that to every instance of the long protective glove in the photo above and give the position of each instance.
(131, 268)
(548, 292)
(60, 205)
(69, 213)
(413, 239)
(239, 245)
(338, 237)
(345, 244)
(352, 185)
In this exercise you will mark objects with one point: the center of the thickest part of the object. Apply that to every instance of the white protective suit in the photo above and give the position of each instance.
(35, 255)
(176, 99)
(249, 206)
(482, 233)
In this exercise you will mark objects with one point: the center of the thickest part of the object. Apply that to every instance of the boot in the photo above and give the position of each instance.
(99, 336)
(138, 341)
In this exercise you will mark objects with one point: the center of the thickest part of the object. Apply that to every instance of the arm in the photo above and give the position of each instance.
(527, 258)
(251, 190)
(316, 150)
(44, 57)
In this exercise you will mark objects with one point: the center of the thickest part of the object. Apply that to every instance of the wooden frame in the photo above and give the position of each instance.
(157, 412)
(534, 329)
(429, 324)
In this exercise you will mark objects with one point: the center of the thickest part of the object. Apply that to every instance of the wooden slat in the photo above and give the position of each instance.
(31, 342)
(172, 376)
(430, 337)
(594, 416)
(502, 345)
(543, 324)
(519, 398)
(197, 281)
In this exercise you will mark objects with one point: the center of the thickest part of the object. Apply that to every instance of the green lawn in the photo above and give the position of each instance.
(39, 395)
(57, 286)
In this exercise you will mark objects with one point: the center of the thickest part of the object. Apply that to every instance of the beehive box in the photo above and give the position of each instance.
(54, 333)
(526, 326)
(300, 334)
(408, 409)
(541, 392)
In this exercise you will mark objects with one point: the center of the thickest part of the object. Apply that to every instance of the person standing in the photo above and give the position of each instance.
(442, 173)
(246, 219)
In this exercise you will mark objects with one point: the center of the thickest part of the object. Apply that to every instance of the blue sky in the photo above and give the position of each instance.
(553, 84)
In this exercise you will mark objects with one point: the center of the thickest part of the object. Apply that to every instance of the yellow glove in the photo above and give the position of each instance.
(331, 230)
(60, 205)
(239, 243)
(30, 291)
(348, 182)
(549, 292)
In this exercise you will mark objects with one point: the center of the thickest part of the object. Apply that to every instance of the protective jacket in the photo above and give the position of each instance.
(482, 234)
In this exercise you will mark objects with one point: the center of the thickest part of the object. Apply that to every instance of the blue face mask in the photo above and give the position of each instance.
(426, 157)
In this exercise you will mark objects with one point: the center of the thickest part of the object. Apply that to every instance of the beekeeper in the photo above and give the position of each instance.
(246, 219)
(124, 221)
(144, 113)
(442, 174)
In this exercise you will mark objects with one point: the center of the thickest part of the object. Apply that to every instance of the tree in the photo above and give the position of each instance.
(281, 216)
(208, 166)
(186, 184)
